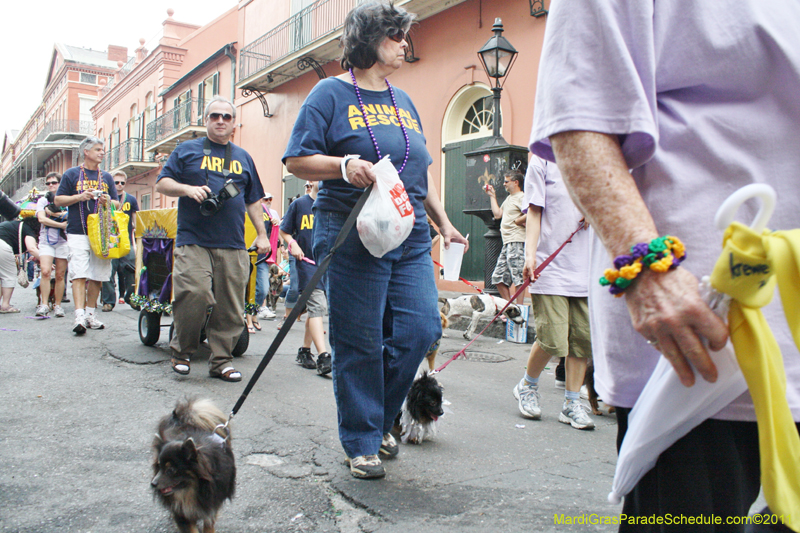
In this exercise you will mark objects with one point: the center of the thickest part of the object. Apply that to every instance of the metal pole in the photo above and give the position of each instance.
(496, 111)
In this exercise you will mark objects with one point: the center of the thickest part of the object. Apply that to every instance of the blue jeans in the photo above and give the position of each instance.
(383, 319)
(262, 283)
(292, 294)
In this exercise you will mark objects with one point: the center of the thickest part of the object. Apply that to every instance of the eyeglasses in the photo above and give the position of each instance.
(226, 117)
(120, 182)
(397, 36)
(52, 183)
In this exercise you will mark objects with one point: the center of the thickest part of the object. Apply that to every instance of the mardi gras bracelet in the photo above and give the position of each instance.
(659, 255)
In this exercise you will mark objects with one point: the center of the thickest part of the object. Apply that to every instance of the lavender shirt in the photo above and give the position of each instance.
(704, 97)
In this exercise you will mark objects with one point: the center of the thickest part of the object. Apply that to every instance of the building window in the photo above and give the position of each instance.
(88, 78)
(145, 201)
(479, 117)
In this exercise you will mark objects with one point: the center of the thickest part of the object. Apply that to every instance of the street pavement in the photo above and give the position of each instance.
(78, 415)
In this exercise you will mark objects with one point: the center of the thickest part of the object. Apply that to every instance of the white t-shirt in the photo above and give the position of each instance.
(704, 97)
(568, 273)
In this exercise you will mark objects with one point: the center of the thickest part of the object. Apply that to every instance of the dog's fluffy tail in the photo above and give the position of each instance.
(201, 414)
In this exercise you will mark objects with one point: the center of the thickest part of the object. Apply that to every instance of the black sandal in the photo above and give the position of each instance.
(179, 364)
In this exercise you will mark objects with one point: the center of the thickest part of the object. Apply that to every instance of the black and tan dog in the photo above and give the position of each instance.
(275, 287)
(193, 467)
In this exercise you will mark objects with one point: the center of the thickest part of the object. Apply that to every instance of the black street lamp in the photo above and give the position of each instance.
(487, 164)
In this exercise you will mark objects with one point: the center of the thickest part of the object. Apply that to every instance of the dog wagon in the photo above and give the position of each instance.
(155, 234)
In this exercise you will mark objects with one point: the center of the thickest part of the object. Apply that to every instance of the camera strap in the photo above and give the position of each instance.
(322, 266)
(226, 162)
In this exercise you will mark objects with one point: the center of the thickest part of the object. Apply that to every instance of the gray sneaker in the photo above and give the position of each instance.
(92, 322)
(42, 310)
(389, 446)
(366, 467)
(574, 413)
(59, 311)
(528, 397)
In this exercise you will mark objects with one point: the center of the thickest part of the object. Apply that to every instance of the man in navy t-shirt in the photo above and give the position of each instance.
(296, 229)
(82, 188)
(123, 268)
(210, 263)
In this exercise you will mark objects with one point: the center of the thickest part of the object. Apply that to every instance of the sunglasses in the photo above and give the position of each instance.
(120, 182)
(226, 117)
(52, 183)
(397, 36)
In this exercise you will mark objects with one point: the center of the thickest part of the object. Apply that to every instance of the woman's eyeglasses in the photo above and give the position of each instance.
(52, 183)
(226, 117)
(397, 36)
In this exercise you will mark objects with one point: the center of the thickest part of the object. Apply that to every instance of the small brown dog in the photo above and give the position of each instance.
(275, 286)
(588, 380)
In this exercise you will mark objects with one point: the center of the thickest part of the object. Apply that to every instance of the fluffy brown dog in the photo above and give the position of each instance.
(193, 467)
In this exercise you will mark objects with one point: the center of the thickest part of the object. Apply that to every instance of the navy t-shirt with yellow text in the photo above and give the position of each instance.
(299, 223)
(72, 184)
(190, 166)
(129, 206)
(330, 122)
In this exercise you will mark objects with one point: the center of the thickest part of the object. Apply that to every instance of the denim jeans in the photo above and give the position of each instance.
(262, 283)
(383, 319)
(292, 294)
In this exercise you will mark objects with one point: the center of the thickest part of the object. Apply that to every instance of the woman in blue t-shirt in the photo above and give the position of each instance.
(383, 311)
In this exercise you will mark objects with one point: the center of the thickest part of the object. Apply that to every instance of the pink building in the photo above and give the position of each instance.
(49, 140)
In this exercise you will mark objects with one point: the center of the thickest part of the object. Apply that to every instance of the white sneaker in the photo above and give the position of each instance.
(266, 313)
(80, 325)
(528, 397)
(59, 311)
(42, 310)
(91, 322)
(574, 413)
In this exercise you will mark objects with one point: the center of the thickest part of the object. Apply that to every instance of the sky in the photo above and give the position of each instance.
(33, 26)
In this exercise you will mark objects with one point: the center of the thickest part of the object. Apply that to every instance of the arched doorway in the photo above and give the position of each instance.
(467, 125)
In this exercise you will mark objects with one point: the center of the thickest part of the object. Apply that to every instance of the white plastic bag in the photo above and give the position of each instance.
(387, 218)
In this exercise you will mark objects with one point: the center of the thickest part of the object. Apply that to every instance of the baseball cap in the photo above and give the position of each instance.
(267, 196)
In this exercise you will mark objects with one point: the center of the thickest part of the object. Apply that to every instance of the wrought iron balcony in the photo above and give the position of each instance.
(58, 129)
(272, 59)
(129, 157)
(179, 124)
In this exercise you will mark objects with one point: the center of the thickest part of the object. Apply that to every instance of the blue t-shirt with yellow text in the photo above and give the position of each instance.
(330, 122)
(299, 223)
(190, 166)
(72, 184)
(129, 206)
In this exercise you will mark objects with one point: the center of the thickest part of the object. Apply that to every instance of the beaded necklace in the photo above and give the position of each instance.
(104, 217)
(396, 112)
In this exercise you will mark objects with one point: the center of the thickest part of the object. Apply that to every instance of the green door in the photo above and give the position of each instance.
(455, 201)
(292, 186)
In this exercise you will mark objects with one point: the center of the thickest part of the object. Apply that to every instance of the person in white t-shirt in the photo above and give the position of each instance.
(699, 99)
(53, 247)
(508, 271)
(558, 295)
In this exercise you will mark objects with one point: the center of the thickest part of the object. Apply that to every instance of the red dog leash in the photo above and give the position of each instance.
(581, 225)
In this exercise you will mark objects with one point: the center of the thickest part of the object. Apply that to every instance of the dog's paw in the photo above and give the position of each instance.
(467, 336)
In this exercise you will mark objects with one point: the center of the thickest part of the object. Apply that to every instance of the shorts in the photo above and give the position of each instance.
(83, 264)
(317, 305)
(510, 264)
(59, 250)
(8, 266)
(562, 325)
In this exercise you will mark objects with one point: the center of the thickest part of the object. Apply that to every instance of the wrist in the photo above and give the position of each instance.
(343, 165)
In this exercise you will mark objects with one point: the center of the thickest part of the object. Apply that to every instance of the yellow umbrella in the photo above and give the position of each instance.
(750, 266)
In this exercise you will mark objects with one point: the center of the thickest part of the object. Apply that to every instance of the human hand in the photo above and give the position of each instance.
(450, 234)
(85, 196)
(668, 311)
(359, 173)
(489, 190)
(262, 244)
(198, 194)
(296, 251)
(529, 268)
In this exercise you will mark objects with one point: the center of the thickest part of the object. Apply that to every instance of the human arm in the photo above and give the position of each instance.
(433, 206)
(497, 211)
(66, 200)
(533, 229)
(170, 187)
(32, 246)
(521, 220)
(262, 240)
(292, 246)
(666, 308)
(45, 220)
(320, 167)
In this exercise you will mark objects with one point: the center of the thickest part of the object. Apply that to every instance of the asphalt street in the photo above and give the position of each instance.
(78, 415)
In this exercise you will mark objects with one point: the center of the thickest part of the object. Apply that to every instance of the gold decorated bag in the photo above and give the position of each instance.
(108, 232)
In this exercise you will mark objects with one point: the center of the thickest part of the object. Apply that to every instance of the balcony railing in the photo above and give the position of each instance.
(124, 71)
(172, 122)
(81, 127)
(306, 26)
(130, 151)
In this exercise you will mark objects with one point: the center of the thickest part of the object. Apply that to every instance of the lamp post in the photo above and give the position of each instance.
(488, 163)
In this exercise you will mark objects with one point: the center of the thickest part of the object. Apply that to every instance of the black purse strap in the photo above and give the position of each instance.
(322, 266)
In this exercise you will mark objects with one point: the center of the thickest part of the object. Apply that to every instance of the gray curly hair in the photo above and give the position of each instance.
(87, 144)
(365, 28)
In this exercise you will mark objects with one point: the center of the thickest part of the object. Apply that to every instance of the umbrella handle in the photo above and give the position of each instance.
(728, 209)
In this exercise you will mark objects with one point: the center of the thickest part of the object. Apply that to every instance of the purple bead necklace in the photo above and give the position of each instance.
(369, 129)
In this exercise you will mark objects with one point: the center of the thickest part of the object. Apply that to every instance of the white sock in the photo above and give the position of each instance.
(79, 313)
(90, 311)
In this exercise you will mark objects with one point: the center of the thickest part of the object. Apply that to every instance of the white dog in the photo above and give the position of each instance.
(479, 307)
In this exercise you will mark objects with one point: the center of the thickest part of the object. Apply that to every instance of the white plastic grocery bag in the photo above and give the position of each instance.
(387, 218)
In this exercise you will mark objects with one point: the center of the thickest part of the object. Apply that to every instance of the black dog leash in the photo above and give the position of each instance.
(301, 302)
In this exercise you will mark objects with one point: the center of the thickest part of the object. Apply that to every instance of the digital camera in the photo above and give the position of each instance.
(212, 204)
(97, 194)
